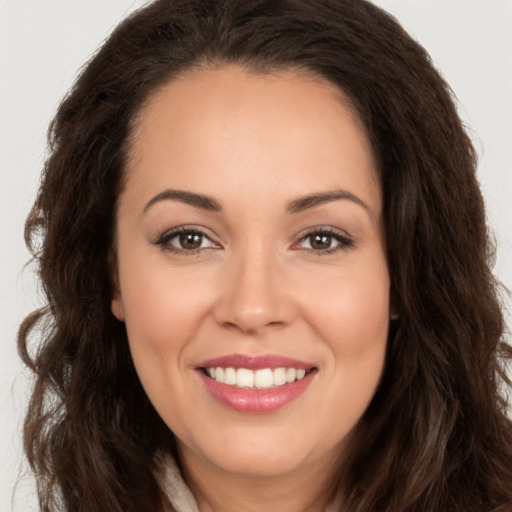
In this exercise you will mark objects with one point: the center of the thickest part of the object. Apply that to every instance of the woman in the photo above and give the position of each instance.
(266, 263)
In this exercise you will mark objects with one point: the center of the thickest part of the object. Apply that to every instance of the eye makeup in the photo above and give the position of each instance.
(190, 240)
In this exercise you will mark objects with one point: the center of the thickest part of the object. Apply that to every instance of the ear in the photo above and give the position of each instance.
(116, 304)
(116, 307)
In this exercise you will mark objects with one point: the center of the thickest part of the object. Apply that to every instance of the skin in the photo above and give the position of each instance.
(257, 285)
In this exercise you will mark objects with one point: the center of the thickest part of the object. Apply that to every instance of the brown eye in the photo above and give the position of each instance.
(320, 241)
(190, 241)
(325, 241)
(185, 241)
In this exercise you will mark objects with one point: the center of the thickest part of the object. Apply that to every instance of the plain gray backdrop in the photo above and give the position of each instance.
(44, 43)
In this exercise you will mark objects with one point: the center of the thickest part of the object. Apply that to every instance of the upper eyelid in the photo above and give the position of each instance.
(344, 238)
(323, 229)
(168, 234)
(163, 241)
(165, 233)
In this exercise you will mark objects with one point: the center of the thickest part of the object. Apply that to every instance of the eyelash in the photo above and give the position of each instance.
(344, 242)
(164, 241)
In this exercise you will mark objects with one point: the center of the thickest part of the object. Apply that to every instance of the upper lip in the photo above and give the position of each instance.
(255, 362)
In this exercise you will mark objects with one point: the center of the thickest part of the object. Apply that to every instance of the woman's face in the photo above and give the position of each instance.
(250, 248)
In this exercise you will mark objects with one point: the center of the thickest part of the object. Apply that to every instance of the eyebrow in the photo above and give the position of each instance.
(198, 200)
(300, 204)
(310, 201)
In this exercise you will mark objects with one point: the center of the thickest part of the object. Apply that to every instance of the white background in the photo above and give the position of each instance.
(43, 44)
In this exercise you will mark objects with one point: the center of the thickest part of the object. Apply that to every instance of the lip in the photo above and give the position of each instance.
(255, 362)
(256, 401)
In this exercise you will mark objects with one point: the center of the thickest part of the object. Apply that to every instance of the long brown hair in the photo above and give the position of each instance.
(436, 436)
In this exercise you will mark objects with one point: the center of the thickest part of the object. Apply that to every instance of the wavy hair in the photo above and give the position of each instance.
(436, 436)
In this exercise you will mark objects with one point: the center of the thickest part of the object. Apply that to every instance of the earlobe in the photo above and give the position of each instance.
(116, 307)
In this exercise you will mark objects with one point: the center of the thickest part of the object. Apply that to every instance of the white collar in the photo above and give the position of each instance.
(175, 487)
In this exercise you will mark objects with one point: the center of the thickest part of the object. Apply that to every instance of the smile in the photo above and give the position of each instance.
(264, 378)
(260, 384)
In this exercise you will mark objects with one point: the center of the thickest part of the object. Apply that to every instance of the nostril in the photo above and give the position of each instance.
(252, 325)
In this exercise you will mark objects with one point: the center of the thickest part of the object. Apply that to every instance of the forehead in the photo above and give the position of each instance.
(227, 125)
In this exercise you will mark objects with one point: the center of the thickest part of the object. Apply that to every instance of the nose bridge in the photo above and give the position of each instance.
(252, 296)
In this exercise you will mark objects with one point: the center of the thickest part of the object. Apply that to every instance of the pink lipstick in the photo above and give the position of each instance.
(256, 384)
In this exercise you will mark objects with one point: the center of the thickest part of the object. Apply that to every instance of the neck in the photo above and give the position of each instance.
(215, 490)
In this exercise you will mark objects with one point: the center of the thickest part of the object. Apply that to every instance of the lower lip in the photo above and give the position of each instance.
(257, 400)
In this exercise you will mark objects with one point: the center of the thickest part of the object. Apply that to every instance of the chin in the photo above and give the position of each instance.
(257, 463)
(264, 452)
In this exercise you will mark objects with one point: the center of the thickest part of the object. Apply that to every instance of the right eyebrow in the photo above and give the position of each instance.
(197, 200)
(316, 199)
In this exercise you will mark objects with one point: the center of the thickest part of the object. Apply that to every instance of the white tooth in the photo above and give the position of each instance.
(279, 376)
(291, 374)
(230, 376)
(244, 378)
(300, 373)
(211, 372)
(263, 378)
(219, 374)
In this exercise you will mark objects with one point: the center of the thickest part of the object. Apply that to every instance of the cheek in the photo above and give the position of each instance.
(163, 311)
(352, 321)
(165, 308)
(351, 312)
(351, 308)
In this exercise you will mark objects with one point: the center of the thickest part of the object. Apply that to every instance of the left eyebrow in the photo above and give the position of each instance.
(197, 200)
(310, 201)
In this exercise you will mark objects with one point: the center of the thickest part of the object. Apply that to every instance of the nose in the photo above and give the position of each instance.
(253, 296)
